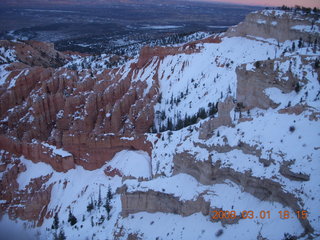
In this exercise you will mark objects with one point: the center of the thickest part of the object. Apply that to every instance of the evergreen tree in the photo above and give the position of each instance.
(55, 224)
(229, 90)
(99, 197)
(179, 124)
(297, 87)
(101, 220)
(212, 110)
(193, 119)
(108, 208)
(202, 113)
(160, 98)
(163, 115)
(61, 236)
(72, 219)
(300, 44)
(169, 124)
(186, 121)
(109, 193)
(317, 63)
(90, 206)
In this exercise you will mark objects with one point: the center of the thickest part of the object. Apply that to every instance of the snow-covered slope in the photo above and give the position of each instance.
(236, 132)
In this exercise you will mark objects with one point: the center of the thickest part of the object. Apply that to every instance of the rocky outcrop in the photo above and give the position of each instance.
(286, 172)
(148, 53)
(83, 112)
(34, 53)
(152, 202)
(93, 152)
(223, 119)
(29, 203)
(251, 84)
(280, 25)
(208, 173)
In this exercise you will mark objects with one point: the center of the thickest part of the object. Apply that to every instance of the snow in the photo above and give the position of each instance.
(7, 55)
(250, 67)
(197, 75)
(306, 28)
(13, 80)
(260, 21)
(160, 27)
(4, 73)
(74, 189)
(196, 226)
(60, 114)
(127, 138)
(276, 13)
(57, 151)
(218, 26)
(183, 186)
(127, 161)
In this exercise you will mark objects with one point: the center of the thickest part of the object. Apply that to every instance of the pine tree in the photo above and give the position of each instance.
(108, 208)
(212, 110)
(179, 124)
(163, 115)
(61, 236)
(99, 197)
(55, 224)
(194, 119)
(160, 98)
(229, 90)
(300, 44)
(202, 113)
(169, 124)
(108, 202)
(72, 219)
(90, 206)
(297, 87)
(317, 63)
(109, 194)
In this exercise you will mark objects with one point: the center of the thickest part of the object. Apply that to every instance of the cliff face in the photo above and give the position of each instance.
(278, 25)
(153, 202)
(29, 203)
(84, 113)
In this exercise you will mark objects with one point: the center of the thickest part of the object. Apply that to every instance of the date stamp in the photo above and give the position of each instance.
(216, 215)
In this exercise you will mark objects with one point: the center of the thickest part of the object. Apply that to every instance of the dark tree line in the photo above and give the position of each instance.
(180, 123)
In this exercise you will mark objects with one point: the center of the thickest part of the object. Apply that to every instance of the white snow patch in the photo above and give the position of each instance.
(57, 151)
(132, 163)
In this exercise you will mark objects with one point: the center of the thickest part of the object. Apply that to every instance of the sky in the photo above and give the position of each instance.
(291, 3)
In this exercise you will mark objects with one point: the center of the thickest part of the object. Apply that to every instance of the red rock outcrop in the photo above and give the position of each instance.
(34, 53)
(29, 203)
(83, 112)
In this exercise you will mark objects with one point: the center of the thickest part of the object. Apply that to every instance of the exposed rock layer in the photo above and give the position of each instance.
(264, 189)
